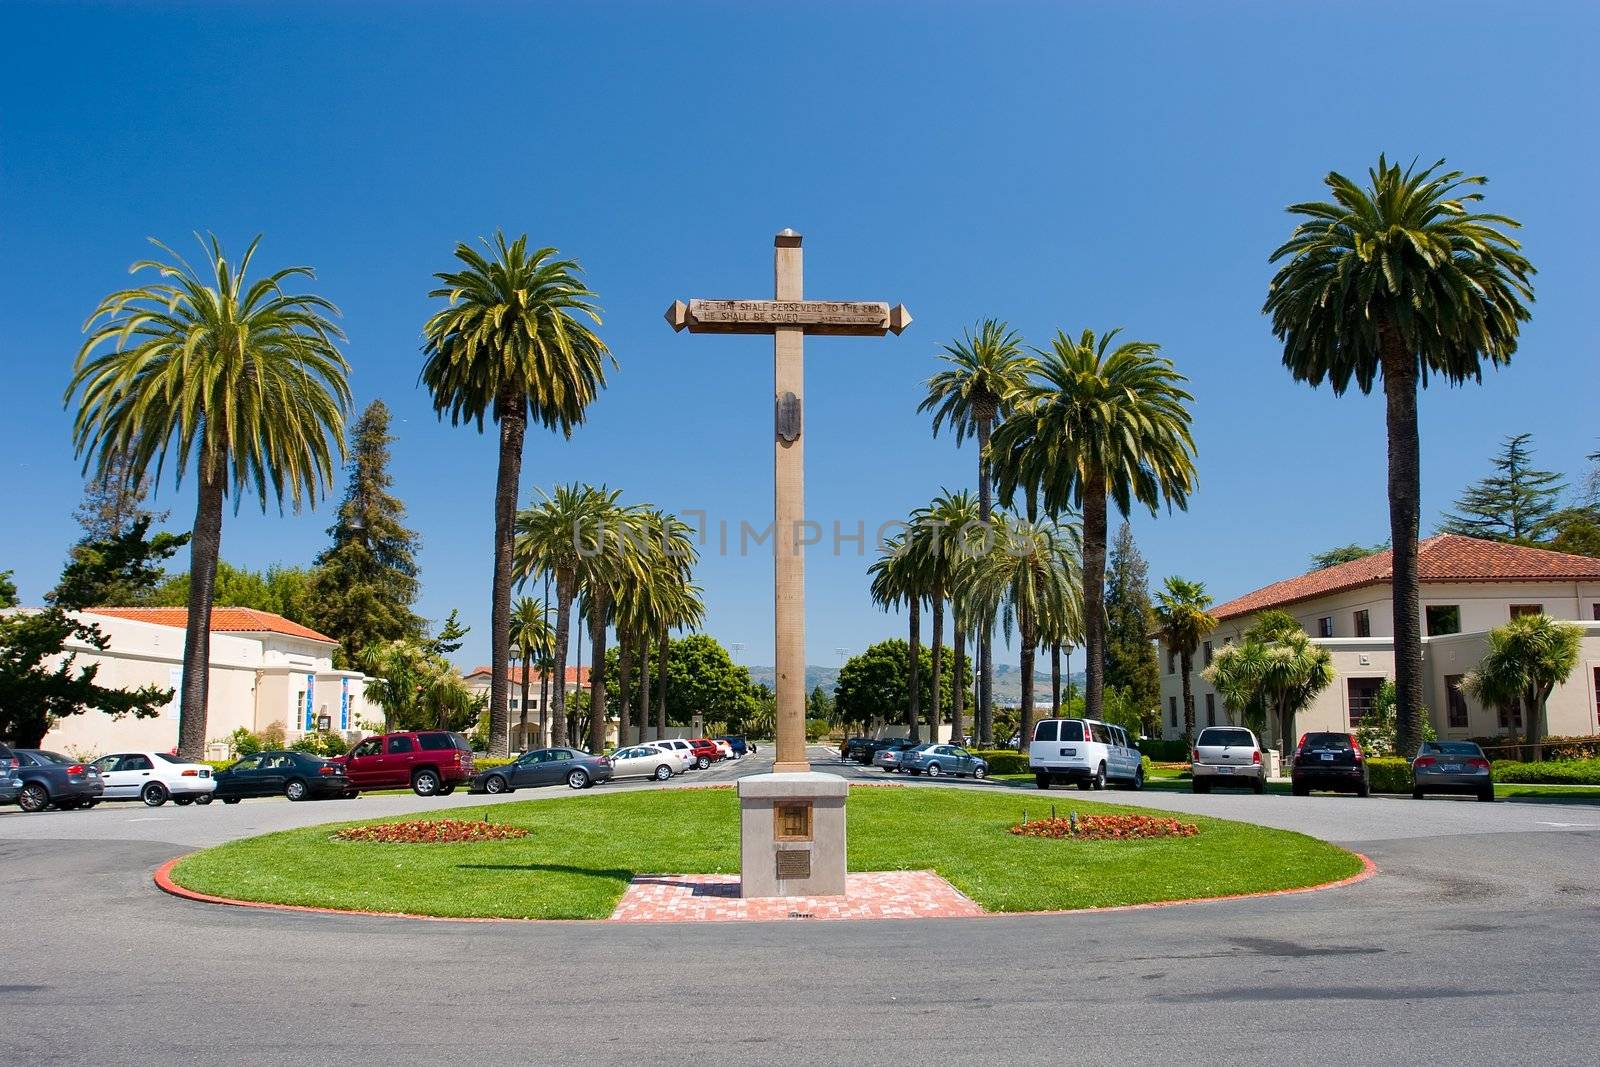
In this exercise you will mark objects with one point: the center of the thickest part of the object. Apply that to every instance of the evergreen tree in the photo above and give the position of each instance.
(1344, 554)
(281, 590)
(1130, 620)
(363, 585)
(119, 570)
(1514, 504)
(113, 501)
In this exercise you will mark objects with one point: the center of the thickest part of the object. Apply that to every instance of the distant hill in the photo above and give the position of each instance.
(1007, 680)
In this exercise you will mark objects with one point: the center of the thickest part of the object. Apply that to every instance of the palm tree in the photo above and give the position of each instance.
(679, 607)
(947, 535)
(1098, 421)
(1272, 674)
(662, 592)
(1030, 575)
(1182, 617)
(1399, 280)
(603, 575)
(239, 377)
(511, 343)
(1527, 658)
(898, 578)
(985, 369)
(534, 641)
(553, 537)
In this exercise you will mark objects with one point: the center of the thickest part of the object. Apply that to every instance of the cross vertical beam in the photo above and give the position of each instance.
(789, 563)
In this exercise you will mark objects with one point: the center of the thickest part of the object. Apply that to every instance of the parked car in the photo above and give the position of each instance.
(889, 756)
(10, 784)
(431, 762)
(296, 775)
(934, 760)
(1227, 755)
(644, 761)
(705, 751)
(1086, 751)
(680, 748)
(50, 779)
(739, 746)
(857, 748)
(545, 766)
(154, 777)
(725, 747)
(1451, 767)
(1332, 761)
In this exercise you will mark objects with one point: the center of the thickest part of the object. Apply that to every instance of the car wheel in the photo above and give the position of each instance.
(1260, 785)
(578, 779)
(1364, 790)
(496, 784)
(1041, 781)
(1300, 790)
(1100, 777)
(295, 789)
(231, 800)
(425, 783)
(1486, 796)
(1417, 794)
(92, 803)
(183, 802)
(34, 797)
(1085, 785)
(1138, 779)
(663, 772)
(979, 771)
(349, 794)
(934, 770)
(154, 795)
(1200, 785)
(202, 800)
(69, 805)
(447, 790)
(702, 763)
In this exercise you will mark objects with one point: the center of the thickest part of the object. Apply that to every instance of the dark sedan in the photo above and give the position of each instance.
(1332, 761)
(51, 779)
(296, 775)
(544, 766)
(10, 784)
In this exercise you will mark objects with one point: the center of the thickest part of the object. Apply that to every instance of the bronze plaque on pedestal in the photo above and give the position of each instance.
(794, 863)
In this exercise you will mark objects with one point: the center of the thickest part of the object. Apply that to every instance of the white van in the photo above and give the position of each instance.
(1086, 751)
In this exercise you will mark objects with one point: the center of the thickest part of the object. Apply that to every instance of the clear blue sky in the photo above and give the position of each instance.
(1056, 165)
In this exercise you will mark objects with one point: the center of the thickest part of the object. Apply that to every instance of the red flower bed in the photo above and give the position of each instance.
(430, 832)
(1105, 828)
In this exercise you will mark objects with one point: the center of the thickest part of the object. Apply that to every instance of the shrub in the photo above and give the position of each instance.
(321, 744)
(817, 729)
(430, 832)
(1389, 774)
(1175, 750)
(1105, 827)
(1003, 760)
(1549, 772)
(484, 763)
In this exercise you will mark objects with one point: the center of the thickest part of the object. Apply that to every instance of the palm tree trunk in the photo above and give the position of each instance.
(936, 691)
(204, 549)
(1094, 595)
(558, 697)
(511, 413)
(958, 688)
(1186, 661)
(597, 675)
(1055, 679)
(544, 677)
(985, 707)
(642, 637)
(1027, 639)
(663, 649)
(574, 724)
(1532, 724)
(1405, 513)
(915, 676)
(625, 648)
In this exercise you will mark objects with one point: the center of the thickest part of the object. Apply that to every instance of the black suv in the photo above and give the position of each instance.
(1331, 761)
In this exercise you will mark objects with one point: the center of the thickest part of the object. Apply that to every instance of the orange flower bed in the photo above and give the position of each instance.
(1105, 828)
(430, 832)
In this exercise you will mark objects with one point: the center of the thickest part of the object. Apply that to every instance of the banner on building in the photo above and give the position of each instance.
(344, 704)
(311, 689)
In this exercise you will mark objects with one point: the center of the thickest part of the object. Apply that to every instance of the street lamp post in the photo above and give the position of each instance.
(515, 655)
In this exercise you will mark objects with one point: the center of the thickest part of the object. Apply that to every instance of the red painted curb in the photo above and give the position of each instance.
(163, 880)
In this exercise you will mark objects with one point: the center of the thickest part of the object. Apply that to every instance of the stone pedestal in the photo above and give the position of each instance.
(792, 835)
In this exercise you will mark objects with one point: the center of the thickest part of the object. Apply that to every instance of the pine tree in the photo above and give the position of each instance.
(114, 501)
(1130, 620)
(363, 585)
(1514, 504)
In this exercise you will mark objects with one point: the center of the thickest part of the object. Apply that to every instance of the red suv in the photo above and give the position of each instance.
(705, 750)
(431, 762)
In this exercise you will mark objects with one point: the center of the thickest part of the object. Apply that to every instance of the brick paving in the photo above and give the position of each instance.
(666, 898)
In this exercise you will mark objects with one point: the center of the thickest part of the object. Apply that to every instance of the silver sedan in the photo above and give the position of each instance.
(1451, 767)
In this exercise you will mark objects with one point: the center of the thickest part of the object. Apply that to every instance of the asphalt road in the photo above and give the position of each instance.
(1473, 945)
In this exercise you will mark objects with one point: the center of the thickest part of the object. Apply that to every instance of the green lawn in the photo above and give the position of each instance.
(583, 851)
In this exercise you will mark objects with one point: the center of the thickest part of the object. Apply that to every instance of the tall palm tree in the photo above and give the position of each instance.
(985, 368)
(897, 578)
(680, 607)
(622, 559)
(1030, 575)
(662, 593)
(553, 537)
(948, 535)
(534, 641)
(239, 377)
(1527, 658)
(1099, 421)
(1184, 621)
(1399, 280)
(513, 342)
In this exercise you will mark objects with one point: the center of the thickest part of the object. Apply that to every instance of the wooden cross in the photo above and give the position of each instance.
(789, 317)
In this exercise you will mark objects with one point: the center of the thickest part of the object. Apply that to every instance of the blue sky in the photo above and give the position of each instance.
(1055, 165)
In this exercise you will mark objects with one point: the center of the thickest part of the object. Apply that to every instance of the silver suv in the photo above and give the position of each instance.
(1227, 755)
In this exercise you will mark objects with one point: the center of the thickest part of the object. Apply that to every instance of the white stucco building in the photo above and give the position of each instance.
(264, 670)
(1469, 586)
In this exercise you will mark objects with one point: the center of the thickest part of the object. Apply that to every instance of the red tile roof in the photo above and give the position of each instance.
(1442, 558)
(575, 675)
(223, 620)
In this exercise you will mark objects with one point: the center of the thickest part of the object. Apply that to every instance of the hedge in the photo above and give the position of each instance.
(1172, 750)
(1549, 772)
(1389, 774)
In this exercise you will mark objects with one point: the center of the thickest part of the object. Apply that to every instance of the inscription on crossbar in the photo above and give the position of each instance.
(850, 317)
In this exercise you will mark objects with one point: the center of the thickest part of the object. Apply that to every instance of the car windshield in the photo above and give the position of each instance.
(1229, 738)
(1452, 748)
(1336, 742)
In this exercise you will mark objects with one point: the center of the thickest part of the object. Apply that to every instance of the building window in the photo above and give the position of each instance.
(1208, 653)
(1526, 609)
(1363, 694)
(1456, 702)
(1172, 708)
(1325, 626)
(1363, 623)
(1596, 607)
(1172, 662)
(1443, 619)
(1211, 709)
